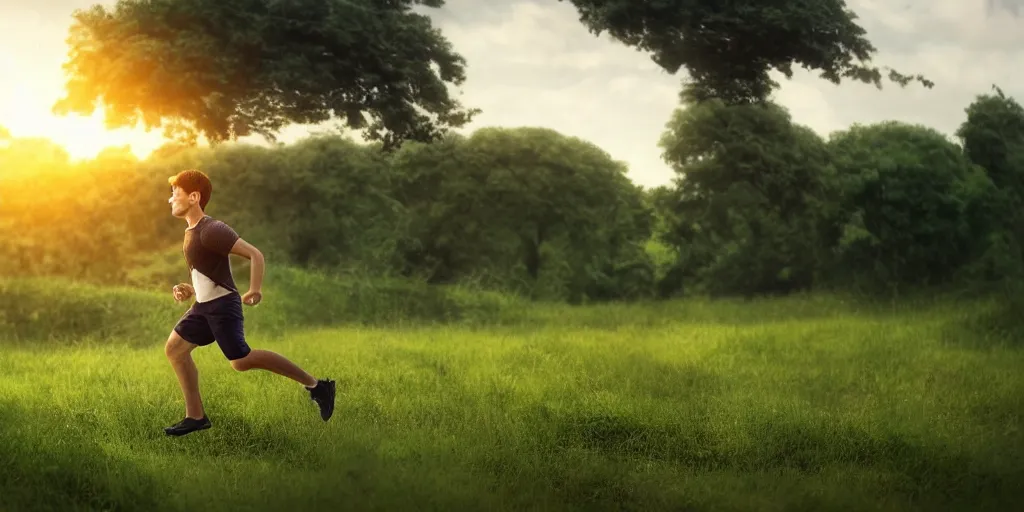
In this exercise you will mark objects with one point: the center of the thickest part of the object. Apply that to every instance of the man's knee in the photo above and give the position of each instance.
(242, 364)
(176, 347)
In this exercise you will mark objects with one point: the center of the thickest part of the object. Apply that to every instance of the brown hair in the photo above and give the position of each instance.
(193, 180)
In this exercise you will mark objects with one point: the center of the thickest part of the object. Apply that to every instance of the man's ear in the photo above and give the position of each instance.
(195, 196)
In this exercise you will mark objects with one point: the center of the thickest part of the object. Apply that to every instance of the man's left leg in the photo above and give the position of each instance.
(228, 328)
(274, 362)
(320, 391)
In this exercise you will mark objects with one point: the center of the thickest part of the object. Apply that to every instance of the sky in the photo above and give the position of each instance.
(532, 63)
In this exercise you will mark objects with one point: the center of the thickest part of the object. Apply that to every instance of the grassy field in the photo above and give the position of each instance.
(786, 404)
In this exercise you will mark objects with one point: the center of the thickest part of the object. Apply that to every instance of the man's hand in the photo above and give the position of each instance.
(252, 298)
(182, 291)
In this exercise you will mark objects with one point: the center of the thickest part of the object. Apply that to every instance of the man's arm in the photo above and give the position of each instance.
(248, 251)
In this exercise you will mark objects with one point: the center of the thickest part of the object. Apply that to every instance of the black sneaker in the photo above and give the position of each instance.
(323, 395)
(188, 425)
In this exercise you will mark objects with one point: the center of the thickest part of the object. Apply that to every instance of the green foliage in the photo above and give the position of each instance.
(910, 205)
(729, 48)
(750, 208)
(60, 310)
(524, 209)
(81, 220)
(761, 205)
(992, 136)
(224, 69)
(65, 311)
(312, 299)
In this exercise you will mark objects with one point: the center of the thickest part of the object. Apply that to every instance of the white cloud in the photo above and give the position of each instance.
(535, 64)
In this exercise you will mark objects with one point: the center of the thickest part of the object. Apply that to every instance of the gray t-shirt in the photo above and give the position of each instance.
(206, 248)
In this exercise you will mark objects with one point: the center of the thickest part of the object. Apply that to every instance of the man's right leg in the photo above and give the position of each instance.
(179, 353)
(192, 331)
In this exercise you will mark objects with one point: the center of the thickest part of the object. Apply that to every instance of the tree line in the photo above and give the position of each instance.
(764, 205)
(760, 205)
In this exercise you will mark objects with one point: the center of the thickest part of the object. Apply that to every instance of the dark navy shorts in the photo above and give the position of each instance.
(217, 320)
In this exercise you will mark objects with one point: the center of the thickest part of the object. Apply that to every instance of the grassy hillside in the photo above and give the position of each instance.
(792, 404)
(63, 311)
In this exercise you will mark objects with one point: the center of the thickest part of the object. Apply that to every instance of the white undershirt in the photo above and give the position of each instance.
(206, 289)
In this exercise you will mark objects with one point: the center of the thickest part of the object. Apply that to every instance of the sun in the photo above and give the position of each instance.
(85, 137)
(25, 113)
(33, 83)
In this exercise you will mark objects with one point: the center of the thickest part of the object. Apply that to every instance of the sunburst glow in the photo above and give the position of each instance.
(25, 110)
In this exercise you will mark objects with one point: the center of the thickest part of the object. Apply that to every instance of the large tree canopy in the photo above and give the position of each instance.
(730, 47)
(229, 68)
(750, 207)
(554, 214)
(913, 205)
(993, 137)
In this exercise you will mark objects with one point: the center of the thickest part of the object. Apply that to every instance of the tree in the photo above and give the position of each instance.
(730, 47)
(993, 138)
(750, 206)
(526, 209)
(71, 219)
(225, 69)
(913, 206)
(445, 237)
(576, 216)
(661, 201)
(33, 157)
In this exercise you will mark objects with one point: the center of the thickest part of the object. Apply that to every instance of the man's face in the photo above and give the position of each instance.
(180, 202)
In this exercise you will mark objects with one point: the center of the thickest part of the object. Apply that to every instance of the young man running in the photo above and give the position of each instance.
(217, 313)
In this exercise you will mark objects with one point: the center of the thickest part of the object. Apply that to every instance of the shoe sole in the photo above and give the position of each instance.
(179, 434)
(330, 412)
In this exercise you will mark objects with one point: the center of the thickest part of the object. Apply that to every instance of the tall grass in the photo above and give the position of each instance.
(803, 403)
(64, 311)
